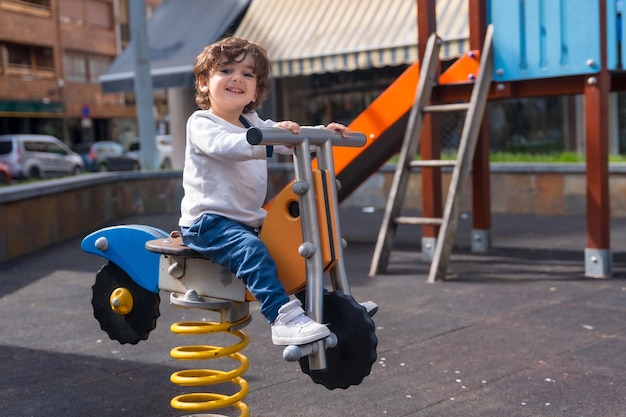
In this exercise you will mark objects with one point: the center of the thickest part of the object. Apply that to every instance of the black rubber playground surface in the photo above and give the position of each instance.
(519, 331)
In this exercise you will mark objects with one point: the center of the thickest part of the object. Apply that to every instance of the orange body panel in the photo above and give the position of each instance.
(282, 233)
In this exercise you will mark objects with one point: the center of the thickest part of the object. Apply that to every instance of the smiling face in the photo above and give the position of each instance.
(224, 61)
(231, 87)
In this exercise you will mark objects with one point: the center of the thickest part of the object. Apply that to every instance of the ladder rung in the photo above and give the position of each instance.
(429, 221)
(446, 107)
(432, 163)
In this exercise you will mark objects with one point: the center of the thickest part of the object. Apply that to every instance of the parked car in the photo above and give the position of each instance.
(5, 174)
(164, 150)
(38, 156)
(106, 156)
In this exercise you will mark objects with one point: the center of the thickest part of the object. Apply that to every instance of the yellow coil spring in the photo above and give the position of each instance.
(200, 377)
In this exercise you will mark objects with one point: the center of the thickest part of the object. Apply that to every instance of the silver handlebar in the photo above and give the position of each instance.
(315, 136)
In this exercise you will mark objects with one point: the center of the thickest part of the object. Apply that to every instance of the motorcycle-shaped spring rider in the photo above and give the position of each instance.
(302, 233)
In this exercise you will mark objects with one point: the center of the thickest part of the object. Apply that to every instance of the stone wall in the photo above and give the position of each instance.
(36, 215)
(541, 189)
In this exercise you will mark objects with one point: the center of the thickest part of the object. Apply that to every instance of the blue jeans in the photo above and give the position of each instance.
(238, 248)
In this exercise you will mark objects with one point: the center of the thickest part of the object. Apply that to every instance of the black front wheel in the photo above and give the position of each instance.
(125, 311)
(352, 359)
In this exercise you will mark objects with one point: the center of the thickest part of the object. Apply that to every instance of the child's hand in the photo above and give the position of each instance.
(338, 127)
(293, 127)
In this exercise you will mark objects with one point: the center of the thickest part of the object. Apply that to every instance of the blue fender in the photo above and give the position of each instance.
(125, 246)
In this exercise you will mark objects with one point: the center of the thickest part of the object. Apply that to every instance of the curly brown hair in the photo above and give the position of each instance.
(232, 50)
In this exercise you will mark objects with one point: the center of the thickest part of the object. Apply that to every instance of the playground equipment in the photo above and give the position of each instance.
(539, 49)
(303, 235)
(437, 250)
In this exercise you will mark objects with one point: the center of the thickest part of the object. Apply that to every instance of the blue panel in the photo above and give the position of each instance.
(545, 38)
(127, 249)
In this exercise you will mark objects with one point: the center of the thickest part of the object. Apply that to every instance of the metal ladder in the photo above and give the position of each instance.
(461, 166)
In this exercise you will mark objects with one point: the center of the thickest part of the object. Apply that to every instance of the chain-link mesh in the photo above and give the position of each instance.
(451, 129)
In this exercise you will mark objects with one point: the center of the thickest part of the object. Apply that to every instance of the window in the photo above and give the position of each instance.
(89, 12)
(75, 67)
(55, 148)
(18, 55)
(35, 146)
(125, 34)
(41, 3)
(85, 68)
(72, 10)
(99, 13)
(40, 8)
(28, 60)
(29, 56)
(97, 66)
(124, 19)
(44, 58)
(6, 147)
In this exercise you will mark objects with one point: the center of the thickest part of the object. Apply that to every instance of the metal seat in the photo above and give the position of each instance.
(172, 245)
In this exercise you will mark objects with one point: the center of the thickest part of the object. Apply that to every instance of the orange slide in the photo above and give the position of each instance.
(384, 123)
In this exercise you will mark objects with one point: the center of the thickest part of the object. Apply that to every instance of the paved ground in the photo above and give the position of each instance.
(518, 332)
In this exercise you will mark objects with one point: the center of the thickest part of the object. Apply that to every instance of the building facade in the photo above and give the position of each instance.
(52, 53)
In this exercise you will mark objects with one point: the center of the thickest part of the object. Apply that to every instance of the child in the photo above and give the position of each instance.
(225, 180)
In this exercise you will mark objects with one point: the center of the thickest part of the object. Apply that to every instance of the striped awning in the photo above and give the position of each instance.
(306, 37)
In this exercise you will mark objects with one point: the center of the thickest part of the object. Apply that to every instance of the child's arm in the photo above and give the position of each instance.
(212, 138)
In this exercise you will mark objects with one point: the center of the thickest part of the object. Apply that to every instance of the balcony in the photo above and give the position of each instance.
(32, 8)
(27, 73)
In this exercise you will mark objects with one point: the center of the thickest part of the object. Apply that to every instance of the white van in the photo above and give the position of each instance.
(38, 156)
(163, 147)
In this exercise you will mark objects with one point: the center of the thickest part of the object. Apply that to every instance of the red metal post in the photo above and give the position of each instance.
(430, 144)
(597, 154)
(481, 181)
(597, 87)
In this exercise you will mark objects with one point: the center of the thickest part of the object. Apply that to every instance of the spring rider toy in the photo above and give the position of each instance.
(302, 233)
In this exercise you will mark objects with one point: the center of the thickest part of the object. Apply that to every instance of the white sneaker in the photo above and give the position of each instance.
(294, 327)
(371, 307)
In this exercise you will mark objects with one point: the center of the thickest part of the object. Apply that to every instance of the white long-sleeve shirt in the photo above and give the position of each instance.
(223, 174)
